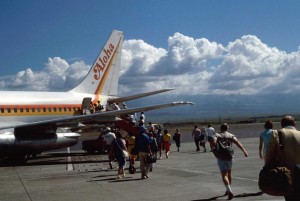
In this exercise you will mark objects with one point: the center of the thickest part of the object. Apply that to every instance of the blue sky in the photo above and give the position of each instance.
(196, 46)
(32, 31)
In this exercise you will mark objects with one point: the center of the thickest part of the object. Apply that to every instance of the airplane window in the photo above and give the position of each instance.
(15, 110)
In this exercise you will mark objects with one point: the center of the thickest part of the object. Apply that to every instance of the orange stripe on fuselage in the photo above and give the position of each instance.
(40, 110)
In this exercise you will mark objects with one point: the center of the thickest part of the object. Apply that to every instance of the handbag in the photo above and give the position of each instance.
(276, 179)
(125, 154)
(151, 159)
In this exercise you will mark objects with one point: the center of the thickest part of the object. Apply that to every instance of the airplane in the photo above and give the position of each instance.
(32, 122)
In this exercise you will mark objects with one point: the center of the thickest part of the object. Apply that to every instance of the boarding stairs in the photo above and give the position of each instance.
(127, 126)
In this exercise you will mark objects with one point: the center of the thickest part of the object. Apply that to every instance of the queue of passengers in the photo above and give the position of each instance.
(150, 141)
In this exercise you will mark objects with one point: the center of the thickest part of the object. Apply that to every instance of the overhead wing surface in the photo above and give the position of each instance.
(108, 116)
(128, 98)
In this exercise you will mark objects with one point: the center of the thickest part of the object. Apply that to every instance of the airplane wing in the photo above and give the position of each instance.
(128, 98)
(108, 116)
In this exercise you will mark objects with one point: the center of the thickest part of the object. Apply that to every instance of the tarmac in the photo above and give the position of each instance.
(185, 176)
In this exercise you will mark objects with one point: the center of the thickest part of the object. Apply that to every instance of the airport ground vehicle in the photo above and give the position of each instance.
(95, 146)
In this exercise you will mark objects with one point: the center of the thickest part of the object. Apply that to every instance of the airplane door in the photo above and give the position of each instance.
(86, 105)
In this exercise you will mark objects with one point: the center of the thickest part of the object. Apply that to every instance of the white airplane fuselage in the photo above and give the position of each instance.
(27, 107)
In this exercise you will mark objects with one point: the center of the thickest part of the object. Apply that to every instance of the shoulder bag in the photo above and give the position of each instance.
(124, 152)
(276, 179)
(151, 159)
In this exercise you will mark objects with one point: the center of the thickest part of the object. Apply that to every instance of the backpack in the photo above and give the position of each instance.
(224, 149)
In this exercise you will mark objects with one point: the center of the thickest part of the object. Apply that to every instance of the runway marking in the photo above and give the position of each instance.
(70, 166)
(22, 183)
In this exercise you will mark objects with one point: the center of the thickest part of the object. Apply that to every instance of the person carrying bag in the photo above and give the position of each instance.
(275, 178)
(119, 151)
(283, 158)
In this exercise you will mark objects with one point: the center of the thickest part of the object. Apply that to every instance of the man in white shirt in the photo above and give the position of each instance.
(143, 115)
(210, 132)
(108, 139)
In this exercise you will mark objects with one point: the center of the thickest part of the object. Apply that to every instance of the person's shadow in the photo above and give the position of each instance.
(235, 196)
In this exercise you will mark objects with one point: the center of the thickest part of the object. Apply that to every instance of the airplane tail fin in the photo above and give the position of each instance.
(103, 77)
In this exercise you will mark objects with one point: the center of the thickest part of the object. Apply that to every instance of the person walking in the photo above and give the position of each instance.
(196, 135)
(203, 139)
(108, 139)
(210, 132)
(130, 142)
(225, 166)
(143, 146)
(153, 147)
(291, 152)
(159, 139)
(264, 139)
(167, 142)
(177, 138)
(116, 151)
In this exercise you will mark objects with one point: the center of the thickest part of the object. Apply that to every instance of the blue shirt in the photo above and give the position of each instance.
(266, 135)
(143, 142)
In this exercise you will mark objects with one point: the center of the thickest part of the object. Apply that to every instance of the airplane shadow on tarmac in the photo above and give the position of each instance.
(235, 196)
(60, 158)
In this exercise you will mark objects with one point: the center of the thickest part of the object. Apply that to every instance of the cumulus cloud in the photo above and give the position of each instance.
(191, 65)
(199, 66)
(57, 75)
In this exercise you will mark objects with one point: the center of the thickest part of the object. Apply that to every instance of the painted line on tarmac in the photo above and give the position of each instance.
(70, 166)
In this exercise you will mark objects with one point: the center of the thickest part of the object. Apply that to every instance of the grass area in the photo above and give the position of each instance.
(260, 119)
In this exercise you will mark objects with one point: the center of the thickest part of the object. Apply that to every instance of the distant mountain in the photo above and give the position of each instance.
(220, 106)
